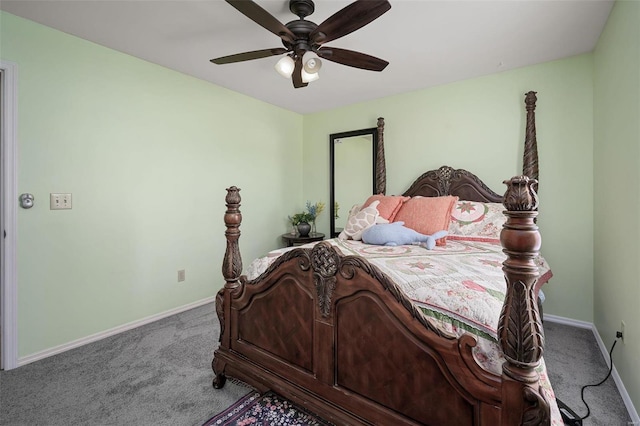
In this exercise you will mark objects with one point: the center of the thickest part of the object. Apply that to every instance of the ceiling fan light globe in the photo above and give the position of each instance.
(313, 65)
(285, 66)
(309, 77)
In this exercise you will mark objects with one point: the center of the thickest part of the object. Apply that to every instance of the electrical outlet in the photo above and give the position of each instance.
(181, 275)
(622, 324)
(59, 201)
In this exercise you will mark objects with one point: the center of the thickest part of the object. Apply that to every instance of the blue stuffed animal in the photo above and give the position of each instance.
(396, 234)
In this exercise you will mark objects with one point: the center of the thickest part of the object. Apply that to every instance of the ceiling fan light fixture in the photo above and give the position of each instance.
(285, 66)
(313, 65)
(309, 77)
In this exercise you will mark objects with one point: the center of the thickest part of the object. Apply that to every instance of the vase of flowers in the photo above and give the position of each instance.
(302, 222)
(314, 210)
(305, 222)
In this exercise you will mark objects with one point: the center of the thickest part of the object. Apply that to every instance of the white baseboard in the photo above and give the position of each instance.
(635, 419)
(111, 332)
(569, 321)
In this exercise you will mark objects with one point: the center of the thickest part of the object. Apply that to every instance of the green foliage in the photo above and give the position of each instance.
(308, 216)
(299, 218)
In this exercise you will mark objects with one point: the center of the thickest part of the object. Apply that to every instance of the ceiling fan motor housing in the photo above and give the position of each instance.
(301, 29)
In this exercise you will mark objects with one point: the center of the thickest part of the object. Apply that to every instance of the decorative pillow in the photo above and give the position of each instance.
(473, 220)
(427, 215)
(354, 210)
(389, 204)
(365, 218)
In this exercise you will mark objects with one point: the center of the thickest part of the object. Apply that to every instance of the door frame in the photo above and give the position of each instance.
(9, 214)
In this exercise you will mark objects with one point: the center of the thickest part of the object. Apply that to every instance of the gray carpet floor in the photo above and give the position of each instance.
(160, 374)
(573, 360)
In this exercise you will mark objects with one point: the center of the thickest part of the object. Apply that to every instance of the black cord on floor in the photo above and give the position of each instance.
(569, 417)
(599, 383)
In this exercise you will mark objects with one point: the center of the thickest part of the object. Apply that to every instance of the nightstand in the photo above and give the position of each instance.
(296, 239)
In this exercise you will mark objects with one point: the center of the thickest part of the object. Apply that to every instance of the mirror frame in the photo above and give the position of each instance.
(379, 178)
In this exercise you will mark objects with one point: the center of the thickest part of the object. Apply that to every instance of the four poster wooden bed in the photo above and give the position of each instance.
(336, 335)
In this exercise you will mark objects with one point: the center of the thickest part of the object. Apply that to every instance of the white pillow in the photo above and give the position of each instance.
(362, 220)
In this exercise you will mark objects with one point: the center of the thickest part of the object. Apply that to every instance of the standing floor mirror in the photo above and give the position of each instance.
(357, 170)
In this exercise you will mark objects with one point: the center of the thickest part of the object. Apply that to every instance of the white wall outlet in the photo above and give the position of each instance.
(59, 201)
(181, 275)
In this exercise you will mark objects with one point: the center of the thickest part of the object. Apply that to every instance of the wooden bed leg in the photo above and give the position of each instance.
(520, 329)
(220, 378)
(231, 270)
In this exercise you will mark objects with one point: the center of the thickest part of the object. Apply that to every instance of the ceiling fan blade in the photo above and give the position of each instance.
(347, 20)
(247, 56)
(297, 74)
(263, 18)
(352, 59)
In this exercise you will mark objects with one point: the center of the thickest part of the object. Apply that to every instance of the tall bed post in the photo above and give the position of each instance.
(381, 168)
(232, 263)
(530, 157)
(231, 270)
(519, 328)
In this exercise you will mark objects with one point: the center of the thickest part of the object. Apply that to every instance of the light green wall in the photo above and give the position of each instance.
(617, 188)
(147, 153)
(478, 125)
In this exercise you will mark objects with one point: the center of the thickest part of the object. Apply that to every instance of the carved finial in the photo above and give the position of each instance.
(520, 195)
(233, 196)
(530, 100)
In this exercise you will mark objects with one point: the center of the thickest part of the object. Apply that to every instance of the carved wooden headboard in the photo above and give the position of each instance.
(449, 181)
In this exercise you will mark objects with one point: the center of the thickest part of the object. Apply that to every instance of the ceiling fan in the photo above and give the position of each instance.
(302, 36)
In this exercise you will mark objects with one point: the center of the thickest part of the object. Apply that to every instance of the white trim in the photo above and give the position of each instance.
(111, 332)
(635, 419)
(616, 378)
(9, 278)
(568, 321)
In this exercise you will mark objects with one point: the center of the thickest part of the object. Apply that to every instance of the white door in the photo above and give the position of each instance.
(8, 216)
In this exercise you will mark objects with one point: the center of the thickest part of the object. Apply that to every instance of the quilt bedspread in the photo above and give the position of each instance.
(459, 286)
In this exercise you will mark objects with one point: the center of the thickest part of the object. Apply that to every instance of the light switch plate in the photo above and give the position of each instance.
(59, 201)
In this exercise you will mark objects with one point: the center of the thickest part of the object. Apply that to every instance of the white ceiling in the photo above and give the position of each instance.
(426, 42)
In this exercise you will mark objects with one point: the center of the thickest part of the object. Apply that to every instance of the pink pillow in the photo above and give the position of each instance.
(427, 215)
(389, 205)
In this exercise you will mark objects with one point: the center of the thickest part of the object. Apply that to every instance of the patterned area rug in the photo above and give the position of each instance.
(267, 409)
